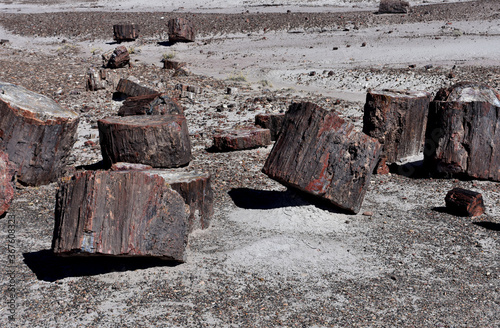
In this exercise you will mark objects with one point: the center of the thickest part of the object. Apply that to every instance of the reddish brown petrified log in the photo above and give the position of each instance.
(125, 32)
(156, 140)
(382, 168)
(130, 88)
(120, 58)
(393, 7)
(463, 202)
(94, 80)
(7, 174)
(36, 133)
(181, 30)
(273, 122)
(397, 119)
(320, 153)
(246, 138)
(126, 213)
(462, 136)
(153, 104)
(173, 64)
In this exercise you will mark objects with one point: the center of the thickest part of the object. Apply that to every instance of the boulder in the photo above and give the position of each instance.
(273, 122)
(7, 177)
(181, 30)
(463, 202)
(125, 32)
(129, 88)
(393, 7)
(152, 104)
(240, 139)
(120, 58)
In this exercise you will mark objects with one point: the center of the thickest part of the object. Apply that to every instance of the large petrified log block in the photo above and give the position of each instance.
(393, 7)
(463, 135)
(240, 139)
(36, 133)
(127, 213)
(463, 202)
(181, 30)
(120, 58)
(7, 174)
(126, 32)
(129, 88)
(320, 153)
(153, 104)
(156, 140)
(273, 122)
(397, 119)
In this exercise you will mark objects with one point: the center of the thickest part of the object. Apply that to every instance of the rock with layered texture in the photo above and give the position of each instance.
(120, 213)
(152, 104)
(181, 30)
(240, 139)
(319, 153)
(7, 174)
(37, 134)
(463, 134)
(125, 32)
(397, 119)
(463, 202)
(129, 88)
(393, 7)
(273, 122)
(120, 58)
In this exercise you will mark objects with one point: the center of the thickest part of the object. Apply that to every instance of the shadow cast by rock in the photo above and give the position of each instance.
(488, 225)
(165, 43)
(49, 267)
(413, 170)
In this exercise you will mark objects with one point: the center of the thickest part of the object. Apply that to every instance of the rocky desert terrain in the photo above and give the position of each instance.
(271, 257)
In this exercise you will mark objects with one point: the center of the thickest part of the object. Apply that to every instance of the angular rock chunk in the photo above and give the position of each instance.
(463, 134)
(321, 154)
(393, 7)
(125, 213)
(173, 64)
(7, 174)
(463, 202)
(153, 104)
(125, 32)
(94, 80)
(181, 30)
(273, 122)
(240, 139)
(129, 88)
(397, 119)
(156, 140)
(37, 134)
(120, 58)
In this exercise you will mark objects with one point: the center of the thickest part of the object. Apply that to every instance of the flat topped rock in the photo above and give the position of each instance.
(469, 92)
(42, 107)
(400, 93)
(142, 120)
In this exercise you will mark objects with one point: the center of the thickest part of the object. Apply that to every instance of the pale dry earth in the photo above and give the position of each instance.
(271, 258)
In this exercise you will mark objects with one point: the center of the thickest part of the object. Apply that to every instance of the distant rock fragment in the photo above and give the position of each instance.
(120, 58)
(156, 140)
(181, 30)
(320, 153)
(152, 104)
(173, 64)
(463, 202)
(7, 174)
(240, 139)
(125, 32)
(393, 7)
(94, 80)
(273, 122)
(37, 134)
(129, 88)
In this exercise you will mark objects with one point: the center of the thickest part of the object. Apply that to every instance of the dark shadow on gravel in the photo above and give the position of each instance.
(93, 167)
(165, 43)
(441, 209)
(49, 267)
(253, 199)
(488, 225)
(413, 170)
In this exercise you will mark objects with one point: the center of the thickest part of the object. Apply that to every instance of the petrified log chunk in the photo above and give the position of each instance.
(127, 32)
(320, 153)
(393, 7)
(7, 174)
(127, 213)
(129, 88)
(381, 168)
(463, 202)
(122, 166)
(120, 58)
(154, 104)
(397, 119)
(273, 122)
(241, 139)
(181, 30)
(36, 133)
(156, 140)
(463, 137)
(94, 80)
(173, 64)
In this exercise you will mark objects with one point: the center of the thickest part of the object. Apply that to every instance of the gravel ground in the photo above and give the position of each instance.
(272, 257)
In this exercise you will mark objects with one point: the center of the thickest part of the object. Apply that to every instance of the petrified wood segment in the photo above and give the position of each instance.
(36, 133)
(94, 80)
(6, 182)
(120, 58)
(240, 139)
(463, 202)
(463, 137)
(126, 32)
(393, 7)
(181, 30)
(196, 190)
(397, 119)
(273, 122)
(156, 140)
(173, 64)
(321, 154)
(128, 213)
(153, 104)
(132, 89)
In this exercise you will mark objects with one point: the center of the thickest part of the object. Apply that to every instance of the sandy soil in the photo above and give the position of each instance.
(271, 258)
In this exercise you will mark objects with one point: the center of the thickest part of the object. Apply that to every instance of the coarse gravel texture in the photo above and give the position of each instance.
(272, 257)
